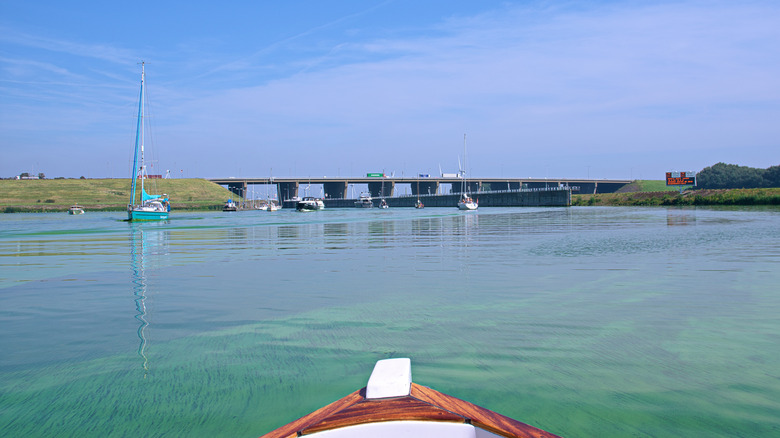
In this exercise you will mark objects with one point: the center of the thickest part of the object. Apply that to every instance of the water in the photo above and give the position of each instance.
(607, 322)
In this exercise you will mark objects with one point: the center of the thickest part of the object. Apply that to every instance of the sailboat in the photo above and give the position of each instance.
(151, 207)
(465, 203)
(383, 203)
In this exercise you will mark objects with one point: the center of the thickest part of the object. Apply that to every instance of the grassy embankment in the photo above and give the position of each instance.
(105, 194)
(649, 193)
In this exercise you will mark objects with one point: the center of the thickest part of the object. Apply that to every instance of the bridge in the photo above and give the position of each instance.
(384, 186)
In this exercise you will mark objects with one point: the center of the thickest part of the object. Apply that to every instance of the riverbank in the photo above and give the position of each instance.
(769, 196)
(110, 194)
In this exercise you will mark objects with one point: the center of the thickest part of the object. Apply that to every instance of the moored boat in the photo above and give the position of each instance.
(309, 203)
(465, 202)
(391, 405)
(230, 205)
(76, 209)
(419, 204)
(151, 207)
(383, 204)
(364, 201)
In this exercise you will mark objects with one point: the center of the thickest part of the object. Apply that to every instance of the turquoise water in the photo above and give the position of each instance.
(607, 322)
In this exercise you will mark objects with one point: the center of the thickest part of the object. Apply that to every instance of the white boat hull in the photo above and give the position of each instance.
(467, 205)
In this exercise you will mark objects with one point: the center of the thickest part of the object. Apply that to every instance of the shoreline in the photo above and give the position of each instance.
(194, 194)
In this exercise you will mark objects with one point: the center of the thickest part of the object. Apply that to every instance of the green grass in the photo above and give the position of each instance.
(769, 196)
(105, 194)
(648, 185)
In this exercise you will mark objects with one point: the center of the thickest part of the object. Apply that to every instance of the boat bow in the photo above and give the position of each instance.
(392, 405)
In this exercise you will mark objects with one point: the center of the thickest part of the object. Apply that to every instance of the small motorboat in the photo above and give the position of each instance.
(76, 209)
(383, 204)
(392, 406)
(419, 204)
(364, 201)
(309, 203)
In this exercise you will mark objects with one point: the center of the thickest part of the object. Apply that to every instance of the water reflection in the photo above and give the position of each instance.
(146, 240)
(680, 217)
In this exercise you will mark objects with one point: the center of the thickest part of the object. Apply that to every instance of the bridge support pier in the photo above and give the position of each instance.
(425, 188)
(335, 189)
(287, 190)
(382, 189)
(238, 188)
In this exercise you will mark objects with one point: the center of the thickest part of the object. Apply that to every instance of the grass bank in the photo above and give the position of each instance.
(49, 195)
(647, 185)
(769, 196)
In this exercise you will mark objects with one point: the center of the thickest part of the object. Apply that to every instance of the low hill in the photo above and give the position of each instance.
(105, 194)
(647, 185)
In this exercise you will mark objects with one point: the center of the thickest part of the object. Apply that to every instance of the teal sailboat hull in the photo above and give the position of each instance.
(147, 215)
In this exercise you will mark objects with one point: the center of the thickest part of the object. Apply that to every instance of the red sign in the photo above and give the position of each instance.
(680, 178)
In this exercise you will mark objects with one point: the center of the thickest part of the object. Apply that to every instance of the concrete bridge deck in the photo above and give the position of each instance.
(337, 187)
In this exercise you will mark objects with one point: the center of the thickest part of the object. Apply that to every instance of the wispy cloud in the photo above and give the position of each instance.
(101, 52)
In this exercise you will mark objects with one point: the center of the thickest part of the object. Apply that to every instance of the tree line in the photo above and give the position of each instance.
(732, 176)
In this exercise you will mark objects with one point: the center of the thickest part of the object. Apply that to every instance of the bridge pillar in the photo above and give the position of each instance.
(425, 188)
(287, 190)
(335, 189)
(383, 189)
(238, 188)
(471, 187)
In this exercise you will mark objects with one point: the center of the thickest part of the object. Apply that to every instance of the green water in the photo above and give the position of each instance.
(607, 322)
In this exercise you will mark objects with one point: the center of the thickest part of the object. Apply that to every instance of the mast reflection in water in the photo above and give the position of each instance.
(145, 242)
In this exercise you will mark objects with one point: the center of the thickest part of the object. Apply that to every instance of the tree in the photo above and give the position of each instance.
(730, 176)
(772, 176)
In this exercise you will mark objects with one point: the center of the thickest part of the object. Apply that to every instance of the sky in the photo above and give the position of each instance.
(297, 88)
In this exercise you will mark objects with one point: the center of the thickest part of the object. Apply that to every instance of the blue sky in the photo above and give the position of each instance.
(600, 89)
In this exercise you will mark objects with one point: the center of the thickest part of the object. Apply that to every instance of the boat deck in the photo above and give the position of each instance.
(422, 404)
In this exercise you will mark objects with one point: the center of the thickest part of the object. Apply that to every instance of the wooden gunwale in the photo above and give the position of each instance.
(423, 404)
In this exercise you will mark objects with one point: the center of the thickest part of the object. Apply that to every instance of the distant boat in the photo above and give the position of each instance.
(419, 203)
(391, 405)
(465, 203)
(76, 209)
(309, 203)
(383, 203)
(151, 207)
(230, 205)
(272, 206)
(364, 201)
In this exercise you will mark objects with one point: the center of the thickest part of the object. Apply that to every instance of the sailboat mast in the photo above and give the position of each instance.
(464, 164)
(138, 139)
(143, 168)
